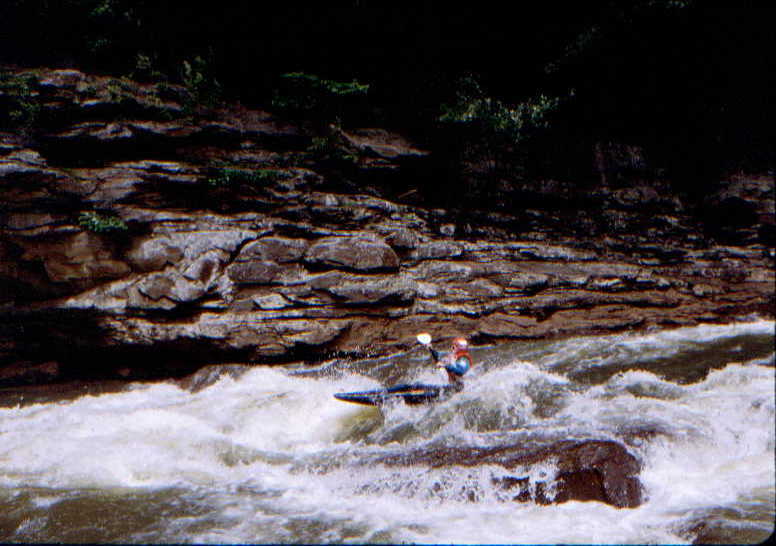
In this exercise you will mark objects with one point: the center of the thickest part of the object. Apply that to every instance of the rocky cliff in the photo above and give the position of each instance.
(143, 236)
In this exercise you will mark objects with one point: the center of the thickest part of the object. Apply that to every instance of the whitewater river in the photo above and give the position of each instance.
(262, 454)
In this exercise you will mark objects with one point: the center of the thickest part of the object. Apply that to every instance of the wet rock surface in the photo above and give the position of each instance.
(599, 470)
(223, 239)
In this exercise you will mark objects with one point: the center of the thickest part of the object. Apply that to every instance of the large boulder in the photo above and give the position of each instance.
(586, 470)
(273, 249)
(383, 144)
(353, 253)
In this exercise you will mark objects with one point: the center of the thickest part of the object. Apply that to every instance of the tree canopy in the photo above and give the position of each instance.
(688, 79)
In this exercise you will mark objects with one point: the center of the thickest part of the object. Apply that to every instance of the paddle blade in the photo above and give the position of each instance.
(424, 338)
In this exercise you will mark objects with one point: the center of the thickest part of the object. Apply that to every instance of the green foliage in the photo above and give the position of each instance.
(301, 94)
(120, 90)
(488, 140)
(621, 17)
(494, 119)
(109, 24)
(101, 223)
(687, 57)
(331, 148)
(584, 44)
(230, 177)
(104, 8)
(204, 88)
(143, 63)
(18, 95)
(99, 45)
(144, 69)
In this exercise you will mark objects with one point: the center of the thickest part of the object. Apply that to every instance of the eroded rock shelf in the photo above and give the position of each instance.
(291, 260)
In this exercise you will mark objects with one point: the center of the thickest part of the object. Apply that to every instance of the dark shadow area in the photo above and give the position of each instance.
(687, 80)
(71, 345)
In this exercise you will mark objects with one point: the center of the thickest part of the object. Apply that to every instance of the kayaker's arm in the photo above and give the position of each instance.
(434, 353)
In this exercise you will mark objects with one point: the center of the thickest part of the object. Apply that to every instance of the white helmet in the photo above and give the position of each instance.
(460, 344)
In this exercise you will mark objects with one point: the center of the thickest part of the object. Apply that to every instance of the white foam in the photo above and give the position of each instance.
(734, 410)
(263, 450)
(715, 441)
(161, 435)
(599, 351)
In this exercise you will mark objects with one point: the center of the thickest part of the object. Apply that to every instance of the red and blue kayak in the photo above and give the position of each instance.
(413, 394)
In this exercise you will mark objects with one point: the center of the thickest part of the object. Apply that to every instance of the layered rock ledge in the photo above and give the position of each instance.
(225, 236)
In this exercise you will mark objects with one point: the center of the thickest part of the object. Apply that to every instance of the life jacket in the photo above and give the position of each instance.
(460, 363)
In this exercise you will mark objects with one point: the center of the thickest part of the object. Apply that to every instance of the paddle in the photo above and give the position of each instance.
(425, 340)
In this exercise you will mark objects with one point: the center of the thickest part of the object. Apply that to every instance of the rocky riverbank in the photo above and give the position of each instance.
(143, 237)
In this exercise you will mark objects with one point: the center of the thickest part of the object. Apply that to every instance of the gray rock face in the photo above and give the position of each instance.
(274, 249)
(261, 259)
(354, 253)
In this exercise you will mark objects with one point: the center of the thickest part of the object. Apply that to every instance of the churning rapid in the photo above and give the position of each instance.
(258, 454)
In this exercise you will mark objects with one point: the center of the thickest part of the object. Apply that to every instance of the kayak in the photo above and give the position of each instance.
(413, 394)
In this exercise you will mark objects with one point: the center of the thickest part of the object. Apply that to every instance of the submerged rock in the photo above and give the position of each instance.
(597, 470)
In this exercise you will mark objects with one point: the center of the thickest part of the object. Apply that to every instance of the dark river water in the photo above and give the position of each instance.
(267, 455)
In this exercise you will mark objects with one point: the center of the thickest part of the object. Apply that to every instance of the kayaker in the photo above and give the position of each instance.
(456, 363)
